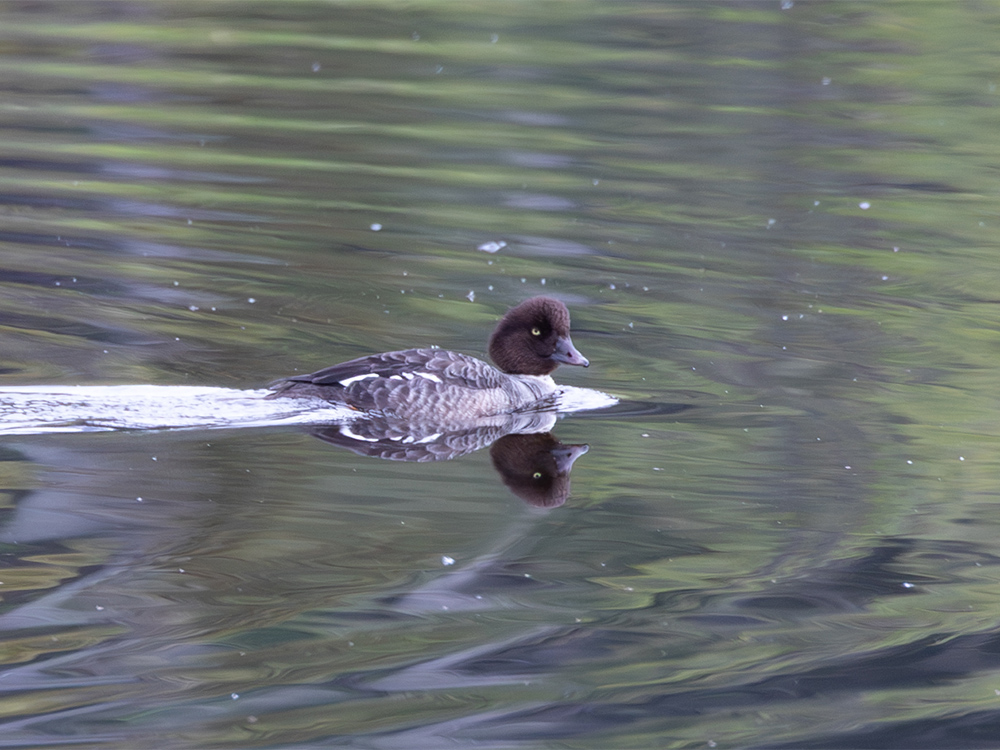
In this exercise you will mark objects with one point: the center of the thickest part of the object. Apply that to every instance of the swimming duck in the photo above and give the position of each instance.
(436, 385)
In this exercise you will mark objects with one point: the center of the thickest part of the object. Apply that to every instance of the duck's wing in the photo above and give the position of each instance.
(402, 382)
(435, 365)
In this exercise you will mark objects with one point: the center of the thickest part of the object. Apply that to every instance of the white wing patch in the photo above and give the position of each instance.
(430, 376)
(346, 432)
(347, 381)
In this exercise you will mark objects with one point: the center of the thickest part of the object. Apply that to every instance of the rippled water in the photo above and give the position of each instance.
(775, 226)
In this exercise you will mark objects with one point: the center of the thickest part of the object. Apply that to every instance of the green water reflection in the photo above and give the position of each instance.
(779, 216)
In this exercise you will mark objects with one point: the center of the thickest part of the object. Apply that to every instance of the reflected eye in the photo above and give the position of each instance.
(537, 474)
(536, 331)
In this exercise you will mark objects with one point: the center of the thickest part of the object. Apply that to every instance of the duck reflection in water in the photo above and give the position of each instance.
(531, 462)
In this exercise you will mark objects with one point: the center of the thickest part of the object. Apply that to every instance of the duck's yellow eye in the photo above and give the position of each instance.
(536, 331)
(537, 475)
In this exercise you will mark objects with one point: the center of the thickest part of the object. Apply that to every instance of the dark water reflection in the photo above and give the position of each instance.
(774, 223)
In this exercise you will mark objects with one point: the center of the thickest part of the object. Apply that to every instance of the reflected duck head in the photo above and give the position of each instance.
(536, 467)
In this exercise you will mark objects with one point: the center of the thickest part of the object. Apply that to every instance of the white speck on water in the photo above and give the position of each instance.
(864, 205)
(908, 461)
(490, 287)
(815, 203)
(784, 317)
(494, 38)
(471, 296)
(611, 287)
(99, 608)
(542, 282)
(895, 249)
(847, 467)
(234, 696)
(193, 308)
(138, 499)
(316, 67)
(446, 561)
(885, 278)
(492, 247)
(908, 585)
(771, 223)
(376, 227)
(961, 458)
(787, 4)
(181, 570)
(523, 280)
(251, 300)
(827, 81)
(177, 283)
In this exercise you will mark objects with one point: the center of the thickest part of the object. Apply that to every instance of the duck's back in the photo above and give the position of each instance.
(418, 384)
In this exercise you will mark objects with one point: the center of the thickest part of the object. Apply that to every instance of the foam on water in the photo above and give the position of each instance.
(32, 410)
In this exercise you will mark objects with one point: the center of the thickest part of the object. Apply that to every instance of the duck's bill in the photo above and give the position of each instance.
(565, 455)
(567, 354)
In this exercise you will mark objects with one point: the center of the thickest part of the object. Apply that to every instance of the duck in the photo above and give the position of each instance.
(438, 386)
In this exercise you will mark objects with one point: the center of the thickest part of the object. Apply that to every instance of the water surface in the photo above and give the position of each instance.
(775, 226)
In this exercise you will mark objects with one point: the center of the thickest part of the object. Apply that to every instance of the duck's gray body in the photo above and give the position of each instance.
(421, 385)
